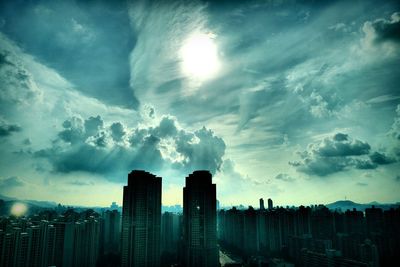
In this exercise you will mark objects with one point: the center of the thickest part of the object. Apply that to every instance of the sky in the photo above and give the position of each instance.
(297, 101)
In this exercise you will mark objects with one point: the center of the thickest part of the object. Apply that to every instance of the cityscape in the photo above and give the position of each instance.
(199, 133)
(203, 234)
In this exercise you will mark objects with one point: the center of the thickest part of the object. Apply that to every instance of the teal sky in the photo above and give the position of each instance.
(298, 101)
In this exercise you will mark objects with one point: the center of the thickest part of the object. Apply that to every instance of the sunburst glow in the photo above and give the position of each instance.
(19, 209)
(199, 56)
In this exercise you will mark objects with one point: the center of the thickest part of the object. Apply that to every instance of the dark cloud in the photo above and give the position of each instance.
(382, 30)
(320, 166)
(7, 129)
(340, 137)
(10, 183)
(381, 159)
(92, 125)
(74, 130)
(27, 142)
(79, 40)
(334, 154)
(365, 164)
(117, 131)
(341, 146)
(88, 145)
(167, 128)
(201, 150)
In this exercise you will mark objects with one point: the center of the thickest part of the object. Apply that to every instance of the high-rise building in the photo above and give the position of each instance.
(141, 219)
(21, 253)
(112, 231)
(64, 241)
(270, 205)
(114, 206)
(199, 221)
(169, 232)
(7, 255)
(374, 218)
(34, 246)
(262, 204)
(250, 244)
(170, 238)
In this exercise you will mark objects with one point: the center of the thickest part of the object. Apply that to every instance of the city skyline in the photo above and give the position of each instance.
(201, 235)
(297, 101)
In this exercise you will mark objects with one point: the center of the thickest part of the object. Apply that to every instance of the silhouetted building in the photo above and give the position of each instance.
(354, 222)
(374, 218)
(322, 223)
(250, 243)
(77, 243)
(171, 228)
(112, 231)
(270, 205)
(199, 221)
(141, 219)
(262, 204)
(114, 206)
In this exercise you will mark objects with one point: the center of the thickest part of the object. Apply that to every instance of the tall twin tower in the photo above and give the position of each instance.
(141, 221)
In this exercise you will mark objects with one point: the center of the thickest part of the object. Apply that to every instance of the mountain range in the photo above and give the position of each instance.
(33, 205)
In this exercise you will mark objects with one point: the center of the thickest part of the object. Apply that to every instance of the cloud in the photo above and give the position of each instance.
(340, 145)
(10, 183)
(117, 131)
(163, 28)
(81, 183)
(383, 30)
(284, 177)
(91, 145)
(17, 84)
(394, 134)
(363, 164)
(382, 34)
(381, 159)
(7, 129)
(319, 107)
(83, 37)
(27, 142)
(166, 128)
(334, 154)
(93, 125)
(395, 129)
(201, 150)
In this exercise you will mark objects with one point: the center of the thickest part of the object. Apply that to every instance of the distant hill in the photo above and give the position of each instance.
(349, 205)
(43, 204)
(34, 205)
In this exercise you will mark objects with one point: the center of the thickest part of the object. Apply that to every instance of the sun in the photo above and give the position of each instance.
(199, 55)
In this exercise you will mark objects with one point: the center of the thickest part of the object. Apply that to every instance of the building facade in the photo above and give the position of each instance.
(141, 220)
(200, 221)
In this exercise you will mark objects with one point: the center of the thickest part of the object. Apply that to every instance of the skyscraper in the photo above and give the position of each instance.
(262, 204)
(199, 221)
(112, 231)
(141, 219)
(270, 205)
